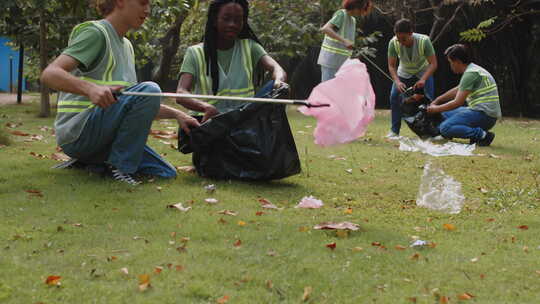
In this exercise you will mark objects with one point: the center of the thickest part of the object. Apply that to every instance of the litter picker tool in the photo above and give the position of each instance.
(407, 93)
(212, 97)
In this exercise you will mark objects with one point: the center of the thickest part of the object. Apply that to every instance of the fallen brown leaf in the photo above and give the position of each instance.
(340, 226)
(223, 299)
(443, 300)
(303, 229)
(307, 293)
(59, 156)
(53, 280)
(241, 223)
(19, 133)
(228, 212)
(144, 282)
(415, 256)
(188, 169)
(331, 246)
(449, 227)
(523, 227)
(268, 205)
(399, 247)
(158, 269)
(465, 296)
(179, 206)
(238, 243)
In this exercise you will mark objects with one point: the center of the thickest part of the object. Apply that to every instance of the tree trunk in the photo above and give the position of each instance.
(169, 44)
(20, 74)
(45, 110)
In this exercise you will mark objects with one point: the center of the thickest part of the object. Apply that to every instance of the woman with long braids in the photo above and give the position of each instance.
(224, 63)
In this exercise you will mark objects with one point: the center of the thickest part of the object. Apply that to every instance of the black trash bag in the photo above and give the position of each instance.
(414, 113)
(253, 142)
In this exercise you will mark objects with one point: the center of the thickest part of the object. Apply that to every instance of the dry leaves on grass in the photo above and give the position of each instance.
(188, 169)
(34, 192)
(53, 280)
(449, 227)
(331, 246)
(144, 282)
(179, 206)
(223, 300)
(337, 226)
(164, 134)
(59, 156)
(307, 293)
(465, 296)
(228, 212)
(268, 204)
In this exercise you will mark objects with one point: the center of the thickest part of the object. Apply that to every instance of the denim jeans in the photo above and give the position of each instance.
(396, 99)
(328, 73)
(117, 135)
(466, 123)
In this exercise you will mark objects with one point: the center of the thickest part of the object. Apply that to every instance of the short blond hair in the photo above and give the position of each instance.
(104, 7)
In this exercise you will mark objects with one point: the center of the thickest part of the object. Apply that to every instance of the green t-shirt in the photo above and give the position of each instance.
(337, 19)
(189, 65)
(470, 81)
(87, 47)
(428, 50)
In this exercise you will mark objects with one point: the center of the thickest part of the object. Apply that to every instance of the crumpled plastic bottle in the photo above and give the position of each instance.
(439, 191)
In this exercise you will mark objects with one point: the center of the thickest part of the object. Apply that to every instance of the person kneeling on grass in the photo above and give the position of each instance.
(92, 126)
(225, 63)
(479, 89)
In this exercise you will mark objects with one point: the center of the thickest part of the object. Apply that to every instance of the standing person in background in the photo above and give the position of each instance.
(94, 127)
(417, 64)
(225, 62)
(340, 34)
(478, 88)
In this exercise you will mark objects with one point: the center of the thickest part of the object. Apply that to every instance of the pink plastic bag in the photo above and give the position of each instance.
(352, 105)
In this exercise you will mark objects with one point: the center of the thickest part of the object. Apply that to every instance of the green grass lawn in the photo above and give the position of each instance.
(86, 229)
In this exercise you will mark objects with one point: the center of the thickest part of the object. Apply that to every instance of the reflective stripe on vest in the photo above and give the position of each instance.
(487, 93)
(204, 82)
(413, 64)
(71, 103)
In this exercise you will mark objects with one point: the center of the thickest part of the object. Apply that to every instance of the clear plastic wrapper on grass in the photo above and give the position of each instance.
(439, 191)
(434, 149)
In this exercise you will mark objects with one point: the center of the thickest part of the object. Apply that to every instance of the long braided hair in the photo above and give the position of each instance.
(210, 37)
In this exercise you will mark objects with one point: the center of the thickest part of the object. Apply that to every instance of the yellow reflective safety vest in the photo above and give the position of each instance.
(117, 67)
(486, 97)
(238, 81)
(416, 63)
(333, 53)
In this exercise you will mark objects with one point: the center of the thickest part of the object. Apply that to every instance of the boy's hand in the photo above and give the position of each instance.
(102, 96)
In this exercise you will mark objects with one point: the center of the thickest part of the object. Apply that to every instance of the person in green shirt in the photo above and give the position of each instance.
(340, 34)
(94, 127)
(478, 88)
(417, 63)
(225, 62)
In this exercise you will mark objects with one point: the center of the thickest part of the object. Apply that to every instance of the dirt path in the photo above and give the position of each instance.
(6, 99)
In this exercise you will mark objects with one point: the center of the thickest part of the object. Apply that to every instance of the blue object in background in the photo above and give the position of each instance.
(5, 53)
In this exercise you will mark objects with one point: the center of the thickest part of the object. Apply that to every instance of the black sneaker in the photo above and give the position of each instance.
(486, 141)
(124, 177)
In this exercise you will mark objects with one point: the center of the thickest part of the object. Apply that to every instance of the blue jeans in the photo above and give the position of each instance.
(328, 73)
(466, 123)
(396, 99)
(117, 135)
